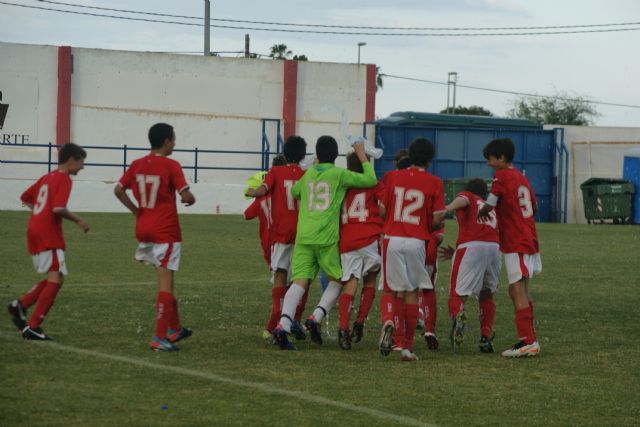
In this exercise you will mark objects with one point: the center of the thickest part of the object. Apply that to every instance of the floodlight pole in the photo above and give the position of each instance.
(452, 81)
(207, 29)
(360, 44)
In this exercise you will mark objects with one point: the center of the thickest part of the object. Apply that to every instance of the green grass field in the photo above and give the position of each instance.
(99, 370)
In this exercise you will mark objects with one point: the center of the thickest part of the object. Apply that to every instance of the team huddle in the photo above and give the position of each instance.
(346, 224)
(341, 222)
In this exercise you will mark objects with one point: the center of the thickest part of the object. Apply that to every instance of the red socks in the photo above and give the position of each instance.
(366, 300)
(345, 303)
(487, 314)
(174, 320)
(277, 295)
(386, 307)
(46, 298)
(164, 310)
(430, 309)
(524, 325)
(28, 299)
(398, 319)
(301, 305)
(411, 320)
(456, 305)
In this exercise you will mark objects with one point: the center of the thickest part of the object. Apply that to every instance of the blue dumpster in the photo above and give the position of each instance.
(631, 172)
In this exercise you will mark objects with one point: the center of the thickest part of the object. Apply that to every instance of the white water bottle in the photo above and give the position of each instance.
(307, 162)
(371, 151)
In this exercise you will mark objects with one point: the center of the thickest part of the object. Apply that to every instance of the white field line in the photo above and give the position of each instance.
(178, 283)
(261, 387)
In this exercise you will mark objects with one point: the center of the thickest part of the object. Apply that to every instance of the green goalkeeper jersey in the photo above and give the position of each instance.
(321, 191)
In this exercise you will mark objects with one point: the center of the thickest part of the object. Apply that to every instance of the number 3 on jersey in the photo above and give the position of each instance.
(148, 199)
(524, 199)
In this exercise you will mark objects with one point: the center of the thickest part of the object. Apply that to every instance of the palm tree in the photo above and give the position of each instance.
(379, 82)
(279, 51)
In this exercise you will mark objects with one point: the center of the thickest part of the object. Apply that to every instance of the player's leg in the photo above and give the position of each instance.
(18, 307)
(411, 320)
(518, 273)
(280, 264)
(328, 258)
(345, 305)
(493, 265)
(430, 309)
(303, 269)
(53, 263)
(366, 301)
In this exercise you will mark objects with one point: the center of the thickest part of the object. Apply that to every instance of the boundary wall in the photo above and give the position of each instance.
(594, 151)
(110, 98)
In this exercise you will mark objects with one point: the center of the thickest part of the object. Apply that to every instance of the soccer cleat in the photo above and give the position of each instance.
(298, 331)
(432, 340)
(486, 344)
(314, 330)
(344, 339)
(386, 338)
(457, 331)
(175, 336)
(408, 356)
(522, 349)
(18, 315)
(280, 337)
(358, 332)
(162, 345)
(35, 334)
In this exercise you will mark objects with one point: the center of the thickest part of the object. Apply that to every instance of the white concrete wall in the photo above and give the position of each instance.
(213, 103)
(594, 152)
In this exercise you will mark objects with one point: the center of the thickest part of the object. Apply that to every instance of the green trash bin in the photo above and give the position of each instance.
(606, 198)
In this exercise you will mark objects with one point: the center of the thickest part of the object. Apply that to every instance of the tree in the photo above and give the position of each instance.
(558, 110)
(379, 82)
(473, 110)
(279, 51)
(300, 58)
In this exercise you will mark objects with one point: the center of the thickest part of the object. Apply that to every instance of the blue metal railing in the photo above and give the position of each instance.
(196, 166)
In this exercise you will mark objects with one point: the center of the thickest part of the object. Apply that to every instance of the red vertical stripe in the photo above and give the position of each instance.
(289, 99)
(370, 102)
(457, 260)
(63, 120)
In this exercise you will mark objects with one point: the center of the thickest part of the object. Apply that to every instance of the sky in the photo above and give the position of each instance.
(603, 66)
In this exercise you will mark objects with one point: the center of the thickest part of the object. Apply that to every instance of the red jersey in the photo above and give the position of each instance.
(154, 181)
(515, 209)
(471, 228)
(411, 196)
(45, 227)
(261, 208)
(361, 223)
(284, 208)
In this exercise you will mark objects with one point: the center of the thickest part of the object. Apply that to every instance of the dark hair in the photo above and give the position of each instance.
(279, 160)
(353, 163)
(403, 163)
(498, 148)
(401, 154)
(295, 148)
(70, 150)
(158, 133)
(478, 187)
(421, 152)
(326, 149)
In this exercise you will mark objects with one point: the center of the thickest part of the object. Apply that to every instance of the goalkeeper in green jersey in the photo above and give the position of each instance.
(321, 191)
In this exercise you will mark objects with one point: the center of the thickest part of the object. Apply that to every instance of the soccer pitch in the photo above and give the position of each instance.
(99, 371)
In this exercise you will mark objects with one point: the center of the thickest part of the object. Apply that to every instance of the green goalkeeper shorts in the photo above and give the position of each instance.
(308, 259)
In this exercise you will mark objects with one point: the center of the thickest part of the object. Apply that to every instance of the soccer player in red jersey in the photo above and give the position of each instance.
(515, 204)
(284, 216)
(47, 199)
(360, 230)
(476, 264)
(154, 180)
(261, 208)
(413, 199)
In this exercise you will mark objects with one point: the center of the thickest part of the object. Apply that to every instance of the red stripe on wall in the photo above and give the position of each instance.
(370, 103)
(289, 99)
(63, 120)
